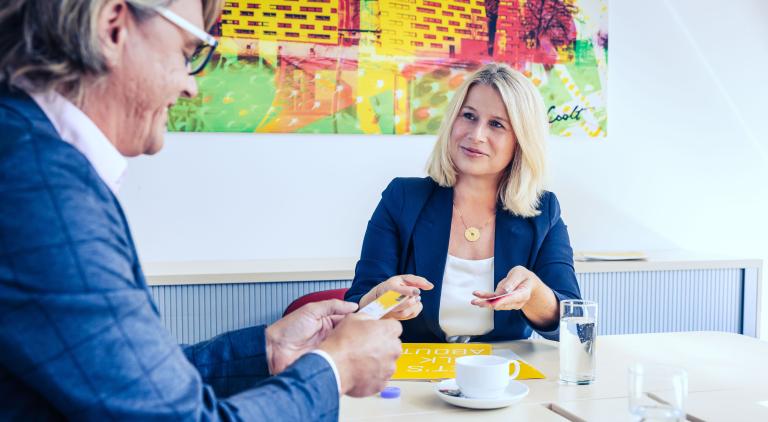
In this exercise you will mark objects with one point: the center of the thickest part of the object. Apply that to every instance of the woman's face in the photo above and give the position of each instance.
(482, 142)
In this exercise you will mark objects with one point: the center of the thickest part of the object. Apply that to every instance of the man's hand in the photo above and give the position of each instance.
(407, 285)
(364, 352)
(302, 331)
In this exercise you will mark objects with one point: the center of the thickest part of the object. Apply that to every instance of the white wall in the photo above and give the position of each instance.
(685, 165)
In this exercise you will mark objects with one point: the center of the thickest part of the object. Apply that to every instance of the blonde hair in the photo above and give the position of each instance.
(53, 44)
(522, 182)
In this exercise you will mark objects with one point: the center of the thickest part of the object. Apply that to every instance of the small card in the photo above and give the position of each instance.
(383, 304)
(497, 297)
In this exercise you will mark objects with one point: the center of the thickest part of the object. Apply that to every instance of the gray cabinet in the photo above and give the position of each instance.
(634, 298)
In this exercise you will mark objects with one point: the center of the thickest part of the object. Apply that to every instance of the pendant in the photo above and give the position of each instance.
(472, 234)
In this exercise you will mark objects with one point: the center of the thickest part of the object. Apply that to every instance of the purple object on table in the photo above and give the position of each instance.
(390, 393)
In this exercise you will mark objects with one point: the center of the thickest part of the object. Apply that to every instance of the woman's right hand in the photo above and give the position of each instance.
(407, 284)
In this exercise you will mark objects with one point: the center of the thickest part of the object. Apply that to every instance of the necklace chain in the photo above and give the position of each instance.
(471, 233)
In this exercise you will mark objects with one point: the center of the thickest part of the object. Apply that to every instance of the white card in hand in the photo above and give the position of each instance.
(383, 304)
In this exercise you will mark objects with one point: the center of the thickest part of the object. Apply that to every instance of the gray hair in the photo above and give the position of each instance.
(52, 44)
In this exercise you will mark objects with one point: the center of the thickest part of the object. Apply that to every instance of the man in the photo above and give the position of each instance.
(84, 83)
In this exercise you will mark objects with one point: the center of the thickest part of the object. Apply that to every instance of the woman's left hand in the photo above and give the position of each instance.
(519, 283)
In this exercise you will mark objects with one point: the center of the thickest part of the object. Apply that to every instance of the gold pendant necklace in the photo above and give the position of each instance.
(471, 233)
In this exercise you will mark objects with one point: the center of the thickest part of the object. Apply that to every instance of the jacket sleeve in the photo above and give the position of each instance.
(231, 362)
(80, 331)
(554, 264)
(381, 245)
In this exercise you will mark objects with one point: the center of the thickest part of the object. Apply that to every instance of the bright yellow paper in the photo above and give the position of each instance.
(429, 361)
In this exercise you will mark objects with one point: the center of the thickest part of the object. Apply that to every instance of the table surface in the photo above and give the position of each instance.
(727, 380)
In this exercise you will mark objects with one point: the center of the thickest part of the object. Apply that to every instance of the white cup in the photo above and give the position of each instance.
(484, 376)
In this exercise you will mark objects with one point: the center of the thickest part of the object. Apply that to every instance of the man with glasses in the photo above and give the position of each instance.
(83, 84)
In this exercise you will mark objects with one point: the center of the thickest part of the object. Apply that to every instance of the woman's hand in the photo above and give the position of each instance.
(409, 285)
(518, 287)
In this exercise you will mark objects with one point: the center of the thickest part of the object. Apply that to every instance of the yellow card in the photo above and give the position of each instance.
(383, 304)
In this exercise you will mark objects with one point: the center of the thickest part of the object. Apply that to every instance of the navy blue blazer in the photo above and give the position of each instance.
(409, 232)
(80, 336)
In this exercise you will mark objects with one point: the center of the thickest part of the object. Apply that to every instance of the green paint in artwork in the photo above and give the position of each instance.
(234, 96)
(346, 122)
(383, 104)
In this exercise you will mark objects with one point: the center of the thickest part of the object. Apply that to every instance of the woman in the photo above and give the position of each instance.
(478, 227)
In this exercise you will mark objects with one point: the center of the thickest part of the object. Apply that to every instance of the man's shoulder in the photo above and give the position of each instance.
(32, 158)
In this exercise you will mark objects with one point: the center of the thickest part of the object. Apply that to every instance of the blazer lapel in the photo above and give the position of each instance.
(512, 246)
(430, 246)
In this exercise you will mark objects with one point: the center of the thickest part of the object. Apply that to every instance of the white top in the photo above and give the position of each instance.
(462, 277)
(77, 129)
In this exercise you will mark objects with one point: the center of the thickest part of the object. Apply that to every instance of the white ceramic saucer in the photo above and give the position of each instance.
(514, 393)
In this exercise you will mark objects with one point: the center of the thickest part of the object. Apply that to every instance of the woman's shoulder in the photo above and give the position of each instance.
(410, 187)
(412, 184)
(549, 207)
(408, 193)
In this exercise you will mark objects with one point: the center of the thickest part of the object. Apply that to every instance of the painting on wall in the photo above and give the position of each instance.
(390, 66)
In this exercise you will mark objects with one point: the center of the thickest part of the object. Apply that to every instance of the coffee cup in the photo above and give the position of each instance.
(484, 376)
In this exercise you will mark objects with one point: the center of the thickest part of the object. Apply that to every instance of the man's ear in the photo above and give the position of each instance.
(112, 28)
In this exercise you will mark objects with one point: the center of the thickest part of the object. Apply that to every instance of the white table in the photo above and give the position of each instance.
(727, 373)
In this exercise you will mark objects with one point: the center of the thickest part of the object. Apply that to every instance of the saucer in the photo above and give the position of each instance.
(514, 393)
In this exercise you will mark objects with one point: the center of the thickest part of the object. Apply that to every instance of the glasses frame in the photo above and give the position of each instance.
(186, 25)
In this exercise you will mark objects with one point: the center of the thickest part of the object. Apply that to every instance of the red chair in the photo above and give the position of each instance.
(315, 297)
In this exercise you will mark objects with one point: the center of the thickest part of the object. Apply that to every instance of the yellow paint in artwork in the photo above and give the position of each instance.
(373, 81)
(277, 20)
(242, 112)
(227, 100)
(410, 27)
(402, 104)
(228, 45)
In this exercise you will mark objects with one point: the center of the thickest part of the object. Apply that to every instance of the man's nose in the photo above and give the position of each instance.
(190, 87)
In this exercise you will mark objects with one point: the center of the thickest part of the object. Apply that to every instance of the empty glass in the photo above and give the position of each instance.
(657, 392)
(578, 332)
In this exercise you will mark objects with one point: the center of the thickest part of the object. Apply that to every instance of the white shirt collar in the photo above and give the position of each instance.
(77, 129)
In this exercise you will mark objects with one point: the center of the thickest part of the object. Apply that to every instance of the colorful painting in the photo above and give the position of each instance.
(390, 66)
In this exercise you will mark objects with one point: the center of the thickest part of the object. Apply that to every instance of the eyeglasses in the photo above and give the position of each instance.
(203, 53)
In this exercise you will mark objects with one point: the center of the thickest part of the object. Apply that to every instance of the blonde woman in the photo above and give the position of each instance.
(480, 226)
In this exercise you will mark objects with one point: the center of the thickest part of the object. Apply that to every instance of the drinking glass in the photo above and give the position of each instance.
(578, 332)
(657, 392)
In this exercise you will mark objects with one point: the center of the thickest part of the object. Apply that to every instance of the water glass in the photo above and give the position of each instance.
(578, 332)
(657, 392)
